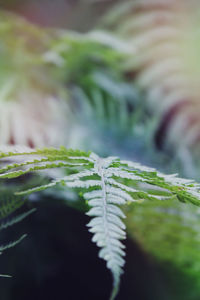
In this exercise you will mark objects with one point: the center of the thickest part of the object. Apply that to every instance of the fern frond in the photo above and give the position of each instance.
(92, 67)
(105, 184)
(165, 66)
(26, 86)
(9, 204)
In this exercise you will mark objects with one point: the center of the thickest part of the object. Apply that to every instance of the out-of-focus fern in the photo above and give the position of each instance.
(92, 69)
(165, 65)
(105, 183)
(26, 84)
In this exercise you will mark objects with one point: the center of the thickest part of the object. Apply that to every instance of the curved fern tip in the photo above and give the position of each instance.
(115, 290)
